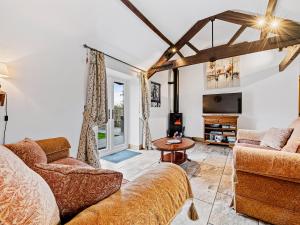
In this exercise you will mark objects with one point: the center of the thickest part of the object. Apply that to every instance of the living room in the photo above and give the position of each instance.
(108, 96)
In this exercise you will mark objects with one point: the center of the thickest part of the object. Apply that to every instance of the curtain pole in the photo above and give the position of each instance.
(93, 49)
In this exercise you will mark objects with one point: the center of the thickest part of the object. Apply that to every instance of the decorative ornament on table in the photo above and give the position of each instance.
(177, 138)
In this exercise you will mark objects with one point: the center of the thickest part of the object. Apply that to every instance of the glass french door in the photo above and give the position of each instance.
(113, 136)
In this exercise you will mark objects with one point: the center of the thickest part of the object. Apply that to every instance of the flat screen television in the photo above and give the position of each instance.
(230, 103)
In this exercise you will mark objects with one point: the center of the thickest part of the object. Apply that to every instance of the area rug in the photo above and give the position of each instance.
(191, 168)
(120, 156)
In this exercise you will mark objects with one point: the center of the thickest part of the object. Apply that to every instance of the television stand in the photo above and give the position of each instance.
(220, 129)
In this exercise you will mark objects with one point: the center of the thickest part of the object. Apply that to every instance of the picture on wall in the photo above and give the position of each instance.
(155, 94)
(223, 73)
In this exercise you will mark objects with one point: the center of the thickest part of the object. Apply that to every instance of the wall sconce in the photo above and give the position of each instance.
(3, 74)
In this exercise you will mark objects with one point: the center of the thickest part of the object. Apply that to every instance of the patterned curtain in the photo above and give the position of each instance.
(147, 142)
(95, 110)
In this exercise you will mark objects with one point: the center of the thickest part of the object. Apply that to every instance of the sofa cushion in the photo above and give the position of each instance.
(71, 161)
(279, 164)
(253, 146)
(29, 151)
(55, 148)
(252, 135)
(293, 144)
(250, 142)
(276, 137)
(77, 187)
(25, 198)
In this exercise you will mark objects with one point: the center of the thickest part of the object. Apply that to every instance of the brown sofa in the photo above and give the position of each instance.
(152, 199)
(267, 182)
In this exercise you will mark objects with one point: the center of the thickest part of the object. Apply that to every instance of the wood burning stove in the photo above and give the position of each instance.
(175, 124)
(175, 118)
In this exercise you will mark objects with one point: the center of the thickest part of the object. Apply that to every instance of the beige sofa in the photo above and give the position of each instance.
(267, 182)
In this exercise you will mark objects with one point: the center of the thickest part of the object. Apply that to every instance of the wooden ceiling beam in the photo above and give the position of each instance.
(271, 7)
(292, 54)
(269, 13)
(146, 21)
(191, 46)
(180, 54)
(225, 51)
(168, 54)
(236, 35)
(287, 27)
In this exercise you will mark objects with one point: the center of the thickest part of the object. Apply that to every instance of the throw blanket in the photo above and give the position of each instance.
(152, 199)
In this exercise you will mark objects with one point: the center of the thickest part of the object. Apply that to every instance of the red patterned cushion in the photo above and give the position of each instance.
(29, 151)
(76, 188)
(71, 162)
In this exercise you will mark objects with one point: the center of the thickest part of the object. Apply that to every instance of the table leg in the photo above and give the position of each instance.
(162, 156)
(187, 157)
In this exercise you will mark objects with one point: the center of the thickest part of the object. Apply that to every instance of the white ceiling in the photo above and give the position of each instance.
(108, 25)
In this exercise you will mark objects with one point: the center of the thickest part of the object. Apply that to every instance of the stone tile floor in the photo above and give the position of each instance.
(211, 184)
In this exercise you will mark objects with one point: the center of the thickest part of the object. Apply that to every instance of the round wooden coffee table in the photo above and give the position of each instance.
(176, 152)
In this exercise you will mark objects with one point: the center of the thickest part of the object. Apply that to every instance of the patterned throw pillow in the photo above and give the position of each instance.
(76, 187)
(276, 138)
(29, 151)
(25, 198)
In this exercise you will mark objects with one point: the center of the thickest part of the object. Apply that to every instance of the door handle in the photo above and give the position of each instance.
(112, 114)
(109, 117)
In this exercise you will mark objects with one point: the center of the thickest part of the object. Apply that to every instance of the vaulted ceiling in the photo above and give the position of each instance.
(109, 26)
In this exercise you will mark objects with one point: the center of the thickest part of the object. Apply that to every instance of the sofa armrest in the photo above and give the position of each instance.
(153, 198)
(278, 164)
(55, 148)
(249, 135)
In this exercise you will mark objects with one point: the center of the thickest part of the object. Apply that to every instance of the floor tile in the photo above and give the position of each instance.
(203, 210)
(226, 185)
(205, 183)
(198, 155)
(216, 159)
(222, 214)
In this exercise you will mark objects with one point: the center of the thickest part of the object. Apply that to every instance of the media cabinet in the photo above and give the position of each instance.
(220, 129)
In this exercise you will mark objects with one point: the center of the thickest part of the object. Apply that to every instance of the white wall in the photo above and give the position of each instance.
(190, 99)
(159, 115)
(270, 98)
(41, 42)
(135, 137)
(46, 93)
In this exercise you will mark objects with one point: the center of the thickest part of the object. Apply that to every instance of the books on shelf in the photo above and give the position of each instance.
(231, 139)
(215, 132)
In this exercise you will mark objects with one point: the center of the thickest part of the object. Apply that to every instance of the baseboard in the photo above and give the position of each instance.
(135, 147)
(198, 139)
